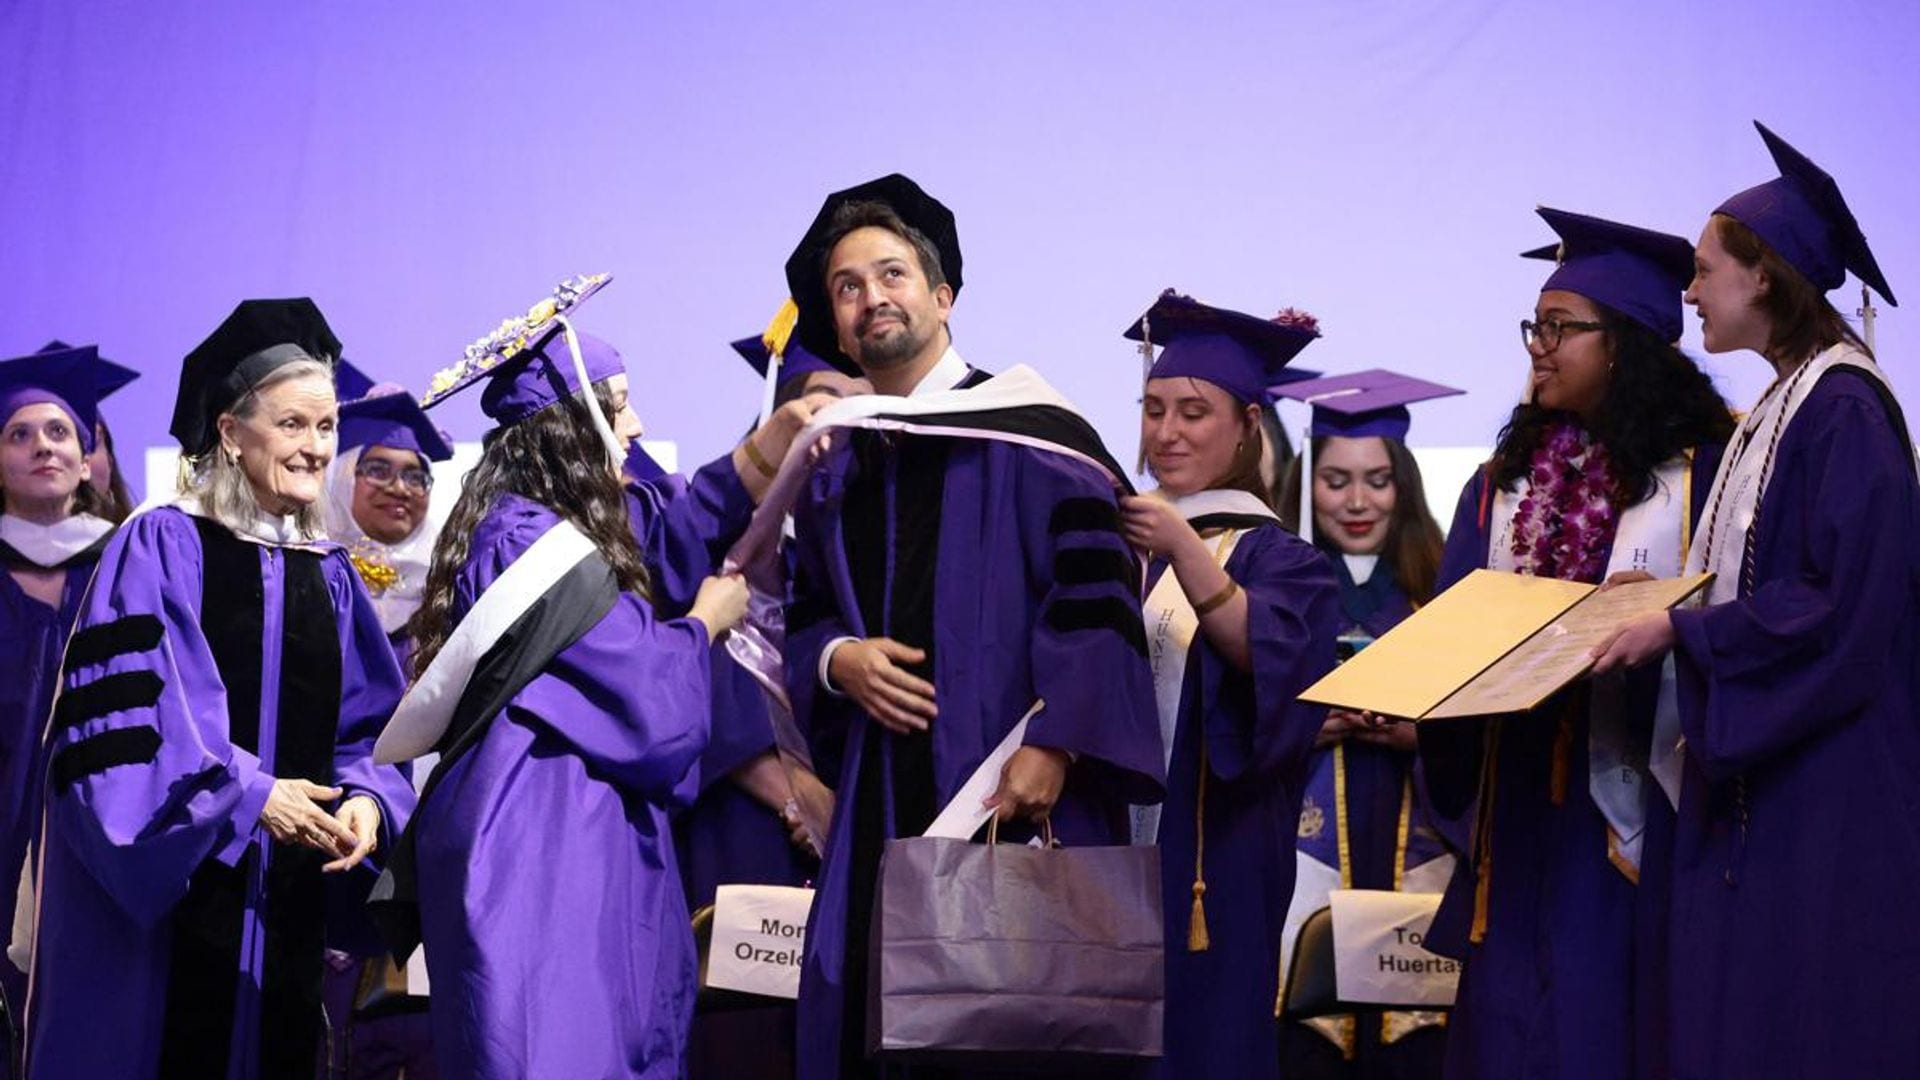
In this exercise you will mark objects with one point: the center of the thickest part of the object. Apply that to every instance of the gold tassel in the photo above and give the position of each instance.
(1483, 835)
(1197, 940)
(780, 330)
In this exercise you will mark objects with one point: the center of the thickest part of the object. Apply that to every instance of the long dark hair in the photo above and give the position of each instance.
(116, 502)
(1414, 542)
(554, 458)
(1804, 321)
(1658, 404)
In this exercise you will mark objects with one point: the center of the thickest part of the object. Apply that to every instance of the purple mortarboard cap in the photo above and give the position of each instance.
(794, 363)
(108, 377)
(1802, 216)
(391, 419)
(1241, 354)
(1637, 272)
(525, 363)
(1287, 376)
(66, 379)
(1364, 403)
(350, 383)
(807, 285)
(257, 339)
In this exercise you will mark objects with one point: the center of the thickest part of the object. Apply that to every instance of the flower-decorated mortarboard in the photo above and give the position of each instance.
(1637, 272)
(393, 420)
(1241, 354)
(1359, 405)
(109, 378)
(776, 356)
(1802, 216)
(806, 282)
(534, 360)
(259, 338)
(66, 379)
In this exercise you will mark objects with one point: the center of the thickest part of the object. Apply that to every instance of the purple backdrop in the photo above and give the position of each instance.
(424, 169)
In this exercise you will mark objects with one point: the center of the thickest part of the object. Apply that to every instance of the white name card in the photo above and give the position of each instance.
(1378, 958)
(759, 933)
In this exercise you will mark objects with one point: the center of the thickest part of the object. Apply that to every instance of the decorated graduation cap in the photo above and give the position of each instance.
(776, 357)
(1355, 406)
(1241, 354)
(1637, 272)
(1802, 216)
(534, 360)
(394, 420)
(109, 378)
(67, 378)
(806, 282)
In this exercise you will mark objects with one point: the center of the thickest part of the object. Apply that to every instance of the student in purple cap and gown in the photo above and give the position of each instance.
(941, 584)
(746, 827)
(210, 753)
(1602, 470)
(106, 479)
(1241, 617)
(379, 489)
(548, 897)
(50, 539)
(1791, 732)
(1366, 821)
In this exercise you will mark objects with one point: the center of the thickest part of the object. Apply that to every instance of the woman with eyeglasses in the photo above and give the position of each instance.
(1602, 470)
(378, 494)
(1790, 735)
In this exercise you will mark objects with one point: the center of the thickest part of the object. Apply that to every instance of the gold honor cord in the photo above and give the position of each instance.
(1197, 938)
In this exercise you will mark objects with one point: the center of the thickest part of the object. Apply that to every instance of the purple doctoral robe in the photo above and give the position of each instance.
(1796, 863)
(1375, 780)
(32, 636)
(551, 910)
(1006, 564)
(1554, 989)
(175, 937)
(1258, 737)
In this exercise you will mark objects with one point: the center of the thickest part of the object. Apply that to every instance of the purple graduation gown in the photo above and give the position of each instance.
(1797, 849)
(556, 932)
(1258, 739)
(175, 937)
(1031, 597)
(1376, 780)
(1553, 990)
(32, 636)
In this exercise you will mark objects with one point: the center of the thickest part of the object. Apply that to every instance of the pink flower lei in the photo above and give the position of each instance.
(1565, 523)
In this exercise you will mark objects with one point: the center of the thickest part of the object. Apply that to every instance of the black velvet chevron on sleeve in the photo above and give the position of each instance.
(107, 695)
(1084, 514)
(1071, 614)
(99, 644)
(136, 745)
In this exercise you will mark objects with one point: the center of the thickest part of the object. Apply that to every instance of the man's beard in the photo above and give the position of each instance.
(880, 354)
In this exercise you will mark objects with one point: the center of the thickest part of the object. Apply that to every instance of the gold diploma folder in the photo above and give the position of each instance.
(1494, 643)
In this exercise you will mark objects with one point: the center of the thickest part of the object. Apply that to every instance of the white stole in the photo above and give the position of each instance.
(1652, 536)
(1743, 475)
(1171, 625)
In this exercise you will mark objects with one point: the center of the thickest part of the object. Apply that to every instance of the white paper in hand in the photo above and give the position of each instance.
(964, 815)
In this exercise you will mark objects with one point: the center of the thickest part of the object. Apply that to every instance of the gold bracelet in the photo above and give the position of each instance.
(759, 460)
(1207, 606)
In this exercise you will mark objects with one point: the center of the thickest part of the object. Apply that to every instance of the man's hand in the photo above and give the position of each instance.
(1030, 784)
(869, 672)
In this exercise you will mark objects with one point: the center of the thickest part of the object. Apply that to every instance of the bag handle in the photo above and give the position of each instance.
(1046, 831)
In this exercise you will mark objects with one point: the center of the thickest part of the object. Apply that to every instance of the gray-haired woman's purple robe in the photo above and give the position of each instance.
(1258, 737)
(175, 937)
(551, 909)
(1796, 865)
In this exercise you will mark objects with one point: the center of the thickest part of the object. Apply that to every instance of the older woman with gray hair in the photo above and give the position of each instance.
(210, 751)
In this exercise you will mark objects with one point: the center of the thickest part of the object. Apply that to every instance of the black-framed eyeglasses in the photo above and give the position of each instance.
(1546, 334)
(383, 474)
